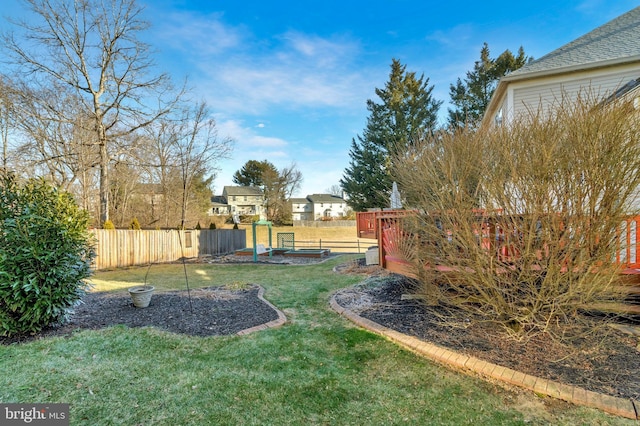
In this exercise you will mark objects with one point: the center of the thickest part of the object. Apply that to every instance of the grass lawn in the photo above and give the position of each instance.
(317, 369)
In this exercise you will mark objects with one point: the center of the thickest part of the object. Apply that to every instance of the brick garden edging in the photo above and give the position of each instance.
(282, 319)
(576, 395)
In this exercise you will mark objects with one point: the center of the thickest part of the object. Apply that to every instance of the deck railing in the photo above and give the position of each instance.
(493, 235)
(628, 243)
(367, 222)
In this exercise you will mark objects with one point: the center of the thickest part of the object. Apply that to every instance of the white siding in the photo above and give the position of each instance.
(549, 92)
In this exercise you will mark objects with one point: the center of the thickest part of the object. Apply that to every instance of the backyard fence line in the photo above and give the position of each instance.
(335, 246)
(121, 247)
(324, 223)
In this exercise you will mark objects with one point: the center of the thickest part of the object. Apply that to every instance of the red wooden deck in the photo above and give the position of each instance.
(383, 226)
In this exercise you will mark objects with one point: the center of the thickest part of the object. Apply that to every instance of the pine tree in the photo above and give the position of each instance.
(366, 175)
(407, 111)
(252, 173)
(471, 97)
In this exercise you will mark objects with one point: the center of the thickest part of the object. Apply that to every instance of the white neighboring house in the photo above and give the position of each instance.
(601, 63)
(242, 200)
(301, 209)
(319, 207)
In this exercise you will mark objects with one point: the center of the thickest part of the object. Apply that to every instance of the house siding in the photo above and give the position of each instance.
(597, 63)
(318, 207)
(546, 93)
(239, 200)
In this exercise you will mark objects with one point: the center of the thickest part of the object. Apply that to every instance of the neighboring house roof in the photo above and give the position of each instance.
(613, 44)
(325, 198)
(298, 200)
(242, 190)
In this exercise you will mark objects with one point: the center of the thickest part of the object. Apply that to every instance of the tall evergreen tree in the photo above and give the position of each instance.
(252, 173)
(471, 96)
(366, 175)
(407, 111)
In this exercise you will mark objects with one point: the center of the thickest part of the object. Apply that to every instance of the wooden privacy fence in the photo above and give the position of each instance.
(121, 247)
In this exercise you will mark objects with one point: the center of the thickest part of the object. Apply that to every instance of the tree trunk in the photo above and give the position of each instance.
(104, 184)
(104, 165)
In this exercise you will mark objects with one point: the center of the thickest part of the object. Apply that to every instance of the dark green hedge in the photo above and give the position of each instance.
(45, 255)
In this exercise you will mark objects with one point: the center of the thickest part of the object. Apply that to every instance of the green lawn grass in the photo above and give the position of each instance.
(317, 369)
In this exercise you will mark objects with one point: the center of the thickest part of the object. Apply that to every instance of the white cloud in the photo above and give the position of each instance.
(238, 73)
(320, 52)
(199, 35)
(246, 137)
(255, 88)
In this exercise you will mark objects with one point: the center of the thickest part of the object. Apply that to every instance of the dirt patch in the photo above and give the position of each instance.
(605, 362)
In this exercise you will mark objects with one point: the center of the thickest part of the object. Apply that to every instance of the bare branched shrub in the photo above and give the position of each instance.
(518, 225)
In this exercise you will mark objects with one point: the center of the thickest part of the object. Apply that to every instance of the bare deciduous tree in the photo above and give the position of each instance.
(54, 140)
(335, 190)
(93, 50)
(180, 154)
(197, 147)
(158, 157)
(7, 115)
(279, 186)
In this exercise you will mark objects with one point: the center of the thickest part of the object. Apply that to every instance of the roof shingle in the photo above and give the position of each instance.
(616, 41)
(241, 190)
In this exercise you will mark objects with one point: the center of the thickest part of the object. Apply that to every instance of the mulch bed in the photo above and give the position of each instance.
(208, 312)
(607, 362)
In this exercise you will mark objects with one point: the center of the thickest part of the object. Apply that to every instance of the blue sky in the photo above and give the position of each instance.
(289, 80)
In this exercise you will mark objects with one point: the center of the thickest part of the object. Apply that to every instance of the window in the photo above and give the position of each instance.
(233, 198)
(498, 117)
(245, 198)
